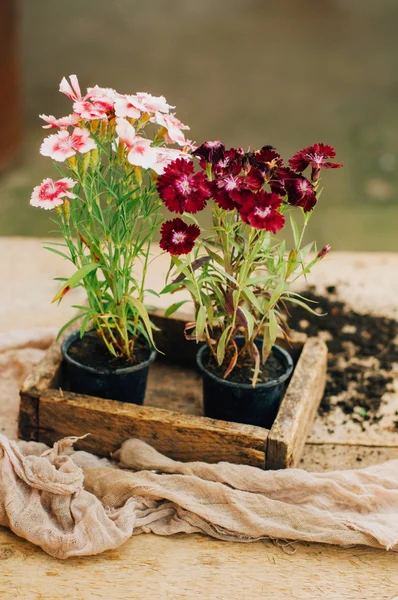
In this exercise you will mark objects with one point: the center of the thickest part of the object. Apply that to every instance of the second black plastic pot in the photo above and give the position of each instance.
(241, 402)
(126, 384)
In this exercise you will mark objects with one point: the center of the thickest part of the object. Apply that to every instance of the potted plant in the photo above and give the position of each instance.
(108, 152)
(239, 273)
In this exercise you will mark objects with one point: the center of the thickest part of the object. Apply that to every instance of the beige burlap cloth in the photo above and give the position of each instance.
(75, 504)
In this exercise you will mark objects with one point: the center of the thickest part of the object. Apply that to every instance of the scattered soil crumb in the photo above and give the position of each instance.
(363, 351)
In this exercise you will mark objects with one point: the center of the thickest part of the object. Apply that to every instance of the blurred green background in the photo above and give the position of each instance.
(248, 72)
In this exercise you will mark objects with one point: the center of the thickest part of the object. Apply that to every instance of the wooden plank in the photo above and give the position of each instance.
(298, 408)
(183, 437)
(149, 567)
(45, 374)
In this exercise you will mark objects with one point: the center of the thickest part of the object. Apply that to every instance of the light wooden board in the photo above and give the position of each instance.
(187, 567)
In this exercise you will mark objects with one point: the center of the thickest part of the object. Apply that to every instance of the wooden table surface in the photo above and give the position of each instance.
(185, 567)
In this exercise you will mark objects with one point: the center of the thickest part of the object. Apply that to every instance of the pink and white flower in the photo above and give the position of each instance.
(61, 123)
(125, 131)
(164, 156)
(151, 104)
(141, 153)
(50, 194)
(174, 128)
(72, 89)
(63, 145)
(90, 111)
(125, 106)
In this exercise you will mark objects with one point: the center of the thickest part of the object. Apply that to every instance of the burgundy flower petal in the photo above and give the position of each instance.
(177, 237)
(224, 200)
(260, 211)
(301, 192)
(314, 156)
(181, 189)
(211, 152)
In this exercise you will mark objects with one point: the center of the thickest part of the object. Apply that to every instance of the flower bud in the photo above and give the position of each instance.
(86, 162)
(72, 162)
(138, 175)
(66, 206)
(120, 151)
(322, 253)
(94, 157)
(104, 127)
(93, 125)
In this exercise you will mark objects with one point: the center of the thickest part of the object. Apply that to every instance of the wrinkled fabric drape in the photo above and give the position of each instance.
(68, 509)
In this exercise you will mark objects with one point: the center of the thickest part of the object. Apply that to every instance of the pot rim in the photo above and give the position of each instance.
(68, 341)
(289, 366)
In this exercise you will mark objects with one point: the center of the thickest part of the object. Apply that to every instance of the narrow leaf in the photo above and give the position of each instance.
(74, 280)
(200, 323)
(221, 345)
(142, 311)
(174, 307)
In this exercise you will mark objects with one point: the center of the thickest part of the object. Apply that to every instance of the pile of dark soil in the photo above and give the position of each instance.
(91, 351)
(243, 373)
(362, 351)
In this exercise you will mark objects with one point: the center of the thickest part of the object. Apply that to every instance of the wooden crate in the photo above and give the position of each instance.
(171, 418)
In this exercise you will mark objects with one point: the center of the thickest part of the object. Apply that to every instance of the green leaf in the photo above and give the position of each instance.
(85, 322)
(68, 324)
(153, 293)
(250, 320)
(55, 251)
(142, 311)
(172, 287)
(304, 305)
(296, 235)
(174, 307)
(200, 323)
(221, 345)
(75, 279)
(270, 335)
(252, 298)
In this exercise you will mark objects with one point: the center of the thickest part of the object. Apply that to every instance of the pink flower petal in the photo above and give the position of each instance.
(174, 128)
(58, 146)
(125, 131)
(81, 140)
(62, 122)
(72, 89)
(125, 106)
(142, 154)
(148, 103)
(50, 194)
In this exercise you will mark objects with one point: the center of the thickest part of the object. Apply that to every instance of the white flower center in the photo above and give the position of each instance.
(178, 237)
(262, 212)
(303, 185)
(184, 185)
(230, 183)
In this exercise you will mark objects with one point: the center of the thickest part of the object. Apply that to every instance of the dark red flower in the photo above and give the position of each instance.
(178, 237)
(227, 190)
(316, 157)
(299, 190)
(261, 211)
(181, 189)
(268, 161)
(212, 152)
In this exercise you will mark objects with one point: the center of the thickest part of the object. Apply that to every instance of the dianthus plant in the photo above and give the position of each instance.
(239, 272)
(109, 152)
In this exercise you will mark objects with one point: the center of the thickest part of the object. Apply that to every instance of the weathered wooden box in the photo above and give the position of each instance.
(171, 418)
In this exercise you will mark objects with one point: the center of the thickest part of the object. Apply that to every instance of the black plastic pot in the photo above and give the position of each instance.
(241, 402)
(127, 384)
